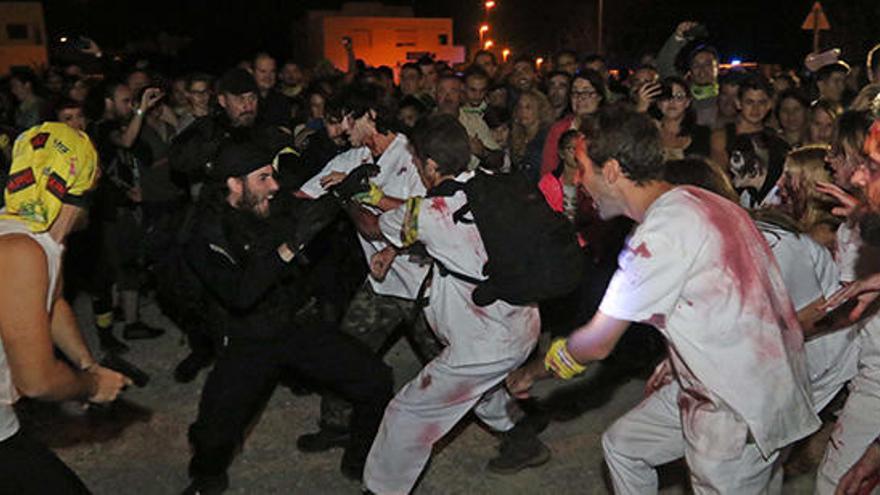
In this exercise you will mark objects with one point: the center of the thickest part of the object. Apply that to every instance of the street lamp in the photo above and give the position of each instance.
(538, 62)
(505, 54)
(490, 4)
(488, 44)
(484, 28)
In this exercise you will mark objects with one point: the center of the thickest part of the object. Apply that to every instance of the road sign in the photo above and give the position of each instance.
(816, 19)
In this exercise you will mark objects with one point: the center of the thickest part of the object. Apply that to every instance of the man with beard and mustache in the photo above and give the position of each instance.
(244, 257)
(191, 157)
(858, 424)
(696, 269)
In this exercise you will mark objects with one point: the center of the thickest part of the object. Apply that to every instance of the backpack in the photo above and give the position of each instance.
(533, 251)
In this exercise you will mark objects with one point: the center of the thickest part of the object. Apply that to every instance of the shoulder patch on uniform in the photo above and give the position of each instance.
(20, 180)
(39, 141)
(57, 186)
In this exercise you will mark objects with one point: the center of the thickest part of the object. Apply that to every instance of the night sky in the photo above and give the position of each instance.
(223, 30)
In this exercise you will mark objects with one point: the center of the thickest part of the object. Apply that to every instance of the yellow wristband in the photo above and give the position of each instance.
(559, 361)
(371, 197)
(409, 233)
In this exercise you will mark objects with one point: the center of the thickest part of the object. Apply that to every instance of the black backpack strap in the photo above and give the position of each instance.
(459, 215)
(441, 268)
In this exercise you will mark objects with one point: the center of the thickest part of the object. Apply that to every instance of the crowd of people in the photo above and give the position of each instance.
(293, 221)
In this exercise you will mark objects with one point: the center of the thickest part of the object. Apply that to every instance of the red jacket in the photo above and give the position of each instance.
(550, 157)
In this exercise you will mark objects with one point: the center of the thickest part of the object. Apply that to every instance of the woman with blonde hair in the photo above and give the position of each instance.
(805, 167)
(532, 118)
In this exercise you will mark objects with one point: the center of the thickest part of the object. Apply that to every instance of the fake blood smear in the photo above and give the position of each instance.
(439, 205)
(430, 434)
(425, 382)
(461, 393)
(641, 250)
(747, 258)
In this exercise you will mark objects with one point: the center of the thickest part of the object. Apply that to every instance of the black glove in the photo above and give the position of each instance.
(357, 181)
(313, 217)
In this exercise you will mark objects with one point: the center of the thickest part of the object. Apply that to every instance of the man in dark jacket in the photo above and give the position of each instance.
(245, 259)
(191, 157)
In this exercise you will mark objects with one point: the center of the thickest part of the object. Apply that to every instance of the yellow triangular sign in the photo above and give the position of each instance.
(816, 19)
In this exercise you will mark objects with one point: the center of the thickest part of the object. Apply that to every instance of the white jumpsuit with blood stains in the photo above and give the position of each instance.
(699, 270)
(810, 274)
(483, 344)
(858, 424)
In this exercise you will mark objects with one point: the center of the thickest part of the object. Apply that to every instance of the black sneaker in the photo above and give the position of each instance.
(207, 485)
(519, 449)
(323, 440)
(109, 343)
(188, 369)
(140, 330)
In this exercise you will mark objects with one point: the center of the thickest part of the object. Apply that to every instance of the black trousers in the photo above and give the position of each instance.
(29, 467)
(246, 372)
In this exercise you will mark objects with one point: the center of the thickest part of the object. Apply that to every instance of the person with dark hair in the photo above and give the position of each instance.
(560, 187)
(566, 61)
(752, 151)
(71, 112)
(681, 134)
(245, 258)
(483, 344)
(483, 145)
(31, 109)
(428, 71)
(523, 77)
(379, 307)
(644, 86)
(486, 60)
(701, 71)
(191, 157)
(597, 62)
(291, 79)
(198, 91)
(409, 111)
(791, 113)
(731, 424)
(449, 94)
(119, 210)
(587, 97)
(558, 86)
(728, 95)
(858, 139)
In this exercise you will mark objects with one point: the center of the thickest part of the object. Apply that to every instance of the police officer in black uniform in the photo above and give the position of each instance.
(247, 261)
(191, 157)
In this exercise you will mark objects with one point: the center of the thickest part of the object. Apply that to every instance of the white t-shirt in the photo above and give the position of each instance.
(398, 178)
(474, 334)
(809, 273)
(699, 271)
